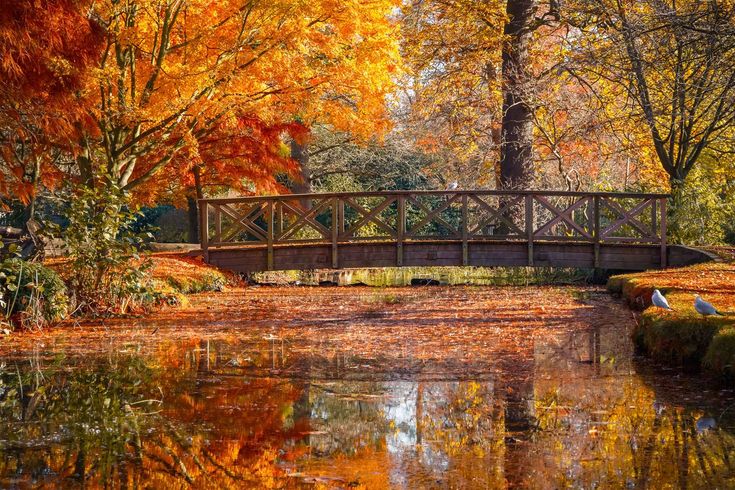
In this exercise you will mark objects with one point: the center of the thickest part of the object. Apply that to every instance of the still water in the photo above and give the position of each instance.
(424, 387)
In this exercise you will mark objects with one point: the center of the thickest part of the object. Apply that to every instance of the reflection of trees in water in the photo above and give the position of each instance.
(596, 429)
(592, 423)
(102, 423)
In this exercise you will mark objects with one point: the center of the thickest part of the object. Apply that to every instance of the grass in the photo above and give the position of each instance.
(684, 337)
(175, 275)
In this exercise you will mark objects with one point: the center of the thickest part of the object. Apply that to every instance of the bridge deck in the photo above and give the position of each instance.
(440, 228)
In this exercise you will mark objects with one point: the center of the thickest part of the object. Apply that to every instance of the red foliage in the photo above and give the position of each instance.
(243, 154)
(45, 49)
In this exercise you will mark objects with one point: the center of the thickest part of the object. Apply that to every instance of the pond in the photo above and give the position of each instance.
(357, 387)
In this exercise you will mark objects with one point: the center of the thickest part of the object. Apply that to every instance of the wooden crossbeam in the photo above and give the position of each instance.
(498, 214)
(303, 219)
(369, 217)
(242, 222)
(564, 216)
(432, 215)
(628, 217)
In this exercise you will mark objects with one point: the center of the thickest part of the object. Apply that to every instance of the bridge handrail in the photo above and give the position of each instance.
(337, 218)
(489, 192)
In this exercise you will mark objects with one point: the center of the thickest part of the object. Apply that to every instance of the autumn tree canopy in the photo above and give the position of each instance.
(183, 83)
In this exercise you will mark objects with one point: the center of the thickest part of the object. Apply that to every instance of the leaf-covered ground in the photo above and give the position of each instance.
(453, 328)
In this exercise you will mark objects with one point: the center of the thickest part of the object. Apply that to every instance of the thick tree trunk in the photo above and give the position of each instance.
(193, 214)
(516, 150)
(300, 153)
(191, 201)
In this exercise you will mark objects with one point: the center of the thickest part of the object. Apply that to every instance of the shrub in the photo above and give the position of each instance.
(32, 294)
(107, 271)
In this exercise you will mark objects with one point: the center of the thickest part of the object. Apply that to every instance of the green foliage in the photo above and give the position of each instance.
(108, 273)
(703, 208)
(99, 409)
(32, 293)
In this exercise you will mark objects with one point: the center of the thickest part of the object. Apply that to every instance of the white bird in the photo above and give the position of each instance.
(658, 300)
(704, 424)
(704, 308)
(452, 186)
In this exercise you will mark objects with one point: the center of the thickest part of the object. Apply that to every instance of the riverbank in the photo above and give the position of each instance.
(683, 337)
(37, 295)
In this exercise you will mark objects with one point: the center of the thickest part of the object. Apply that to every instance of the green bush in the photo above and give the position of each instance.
(108, 273)
(33, 293)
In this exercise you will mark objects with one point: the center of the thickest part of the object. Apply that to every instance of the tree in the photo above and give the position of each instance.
(674, 61)
(172, 77)
(473, 68)
(46, 50)
(452, 96)
(516, 149)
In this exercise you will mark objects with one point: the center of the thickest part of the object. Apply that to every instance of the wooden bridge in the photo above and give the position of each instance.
(618, 231)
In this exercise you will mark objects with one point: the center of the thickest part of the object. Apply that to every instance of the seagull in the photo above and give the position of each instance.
(452, 186)
(658, 300)
(704, 424)
(704, 308)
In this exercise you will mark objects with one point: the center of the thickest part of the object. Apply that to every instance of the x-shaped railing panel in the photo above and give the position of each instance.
(562, 216)
(629, 217)
(432, 216)
(243, 221)
(367, 217)
(305, 219)
(497, 216)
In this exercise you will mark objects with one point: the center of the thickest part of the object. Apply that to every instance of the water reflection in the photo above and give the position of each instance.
(569, 408)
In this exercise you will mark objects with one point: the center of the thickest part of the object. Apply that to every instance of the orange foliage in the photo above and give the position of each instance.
(214, 85)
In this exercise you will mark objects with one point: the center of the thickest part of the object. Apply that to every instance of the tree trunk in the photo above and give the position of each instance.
(191, 201)
(516, 150)
(300, 153)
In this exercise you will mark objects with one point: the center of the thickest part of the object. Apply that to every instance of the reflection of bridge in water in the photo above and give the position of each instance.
(618, 231)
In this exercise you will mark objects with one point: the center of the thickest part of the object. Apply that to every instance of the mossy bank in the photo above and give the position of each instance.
(683, 337)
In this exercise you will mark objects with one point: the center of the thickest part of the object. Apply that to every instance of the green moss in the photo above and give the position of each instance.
(681, 339)
(720, 356)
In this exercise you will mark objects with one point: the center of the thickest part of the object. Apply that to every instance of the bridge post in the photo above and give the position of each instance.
(335, 231)
(465, 232)
(596, 229)
(270, 233)
(529, 226)
(400, 229)
(663, 233)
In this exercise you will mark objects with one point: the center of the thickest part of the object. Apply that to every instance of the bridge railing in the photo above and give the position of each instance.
(463, 216)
